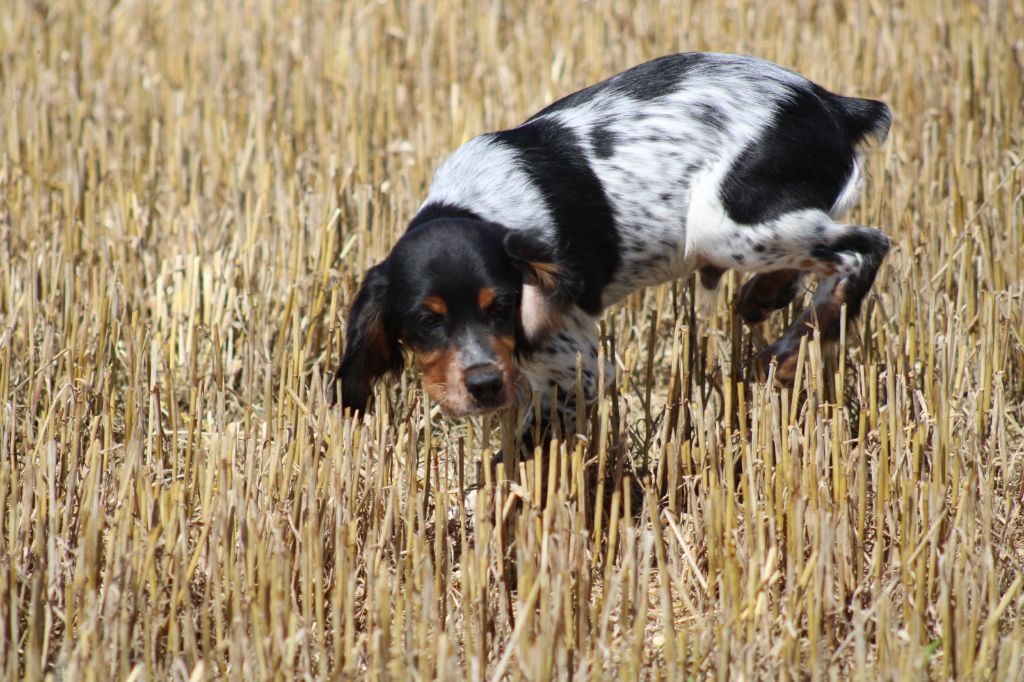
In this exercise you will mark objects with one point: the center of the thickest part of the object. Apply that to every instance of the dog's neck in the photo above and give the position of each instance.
(434, 210)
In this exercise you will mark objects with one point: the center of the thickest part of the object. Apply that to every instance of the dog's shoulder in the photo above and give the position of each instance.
(487, 177)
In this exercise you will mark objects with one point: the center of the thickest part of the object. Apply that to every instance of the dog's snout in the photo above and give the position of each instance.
(484, 382)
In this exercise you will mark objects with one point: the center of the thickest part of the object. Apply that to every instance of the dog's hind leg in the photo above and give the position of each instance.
(767, 292)
(846, 258)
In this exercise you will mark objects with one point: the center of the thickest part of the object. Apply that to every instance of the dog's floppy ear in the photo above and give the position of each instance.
(550, 286)
(371, 346)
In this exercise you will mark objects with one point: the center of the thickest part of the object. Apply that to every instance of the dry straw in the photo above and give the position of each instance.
(189, 194)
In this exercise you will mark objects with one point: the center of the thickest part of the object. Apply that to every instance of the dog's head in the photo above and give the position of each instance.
(468, 298)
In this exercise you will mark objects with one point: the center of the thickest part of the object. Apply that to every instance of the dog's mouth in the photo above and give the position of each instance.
(456, 400)
(473, 409)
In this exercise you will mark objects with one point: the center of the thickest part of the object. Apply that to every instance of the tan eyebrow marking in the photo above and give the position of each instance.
(435, 304)
(485, 298)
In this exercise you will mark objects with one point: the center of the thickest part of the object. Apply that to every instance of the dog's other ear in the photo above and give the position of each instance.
(550, 287)
(371, 346)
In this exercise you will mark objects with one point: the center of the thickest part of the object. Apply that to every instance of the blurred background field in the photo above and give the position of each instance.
(189, 195)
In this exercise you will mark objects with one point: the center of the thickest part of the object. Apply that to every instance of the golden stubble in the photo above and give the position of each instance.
(189, 195)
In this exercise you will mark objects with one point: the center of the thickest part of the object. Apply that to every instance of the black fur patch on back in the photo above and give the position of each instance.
(588, 242)
(644, 82)
(710, 115)
(604, 141)
(802, 160)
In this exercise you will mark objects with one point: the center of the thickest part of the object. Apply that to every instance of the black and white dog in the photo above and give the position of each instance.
(691, 162)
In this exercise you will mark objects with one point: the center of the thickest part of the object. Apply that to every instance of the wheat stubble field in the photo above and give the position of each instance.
(189, 195)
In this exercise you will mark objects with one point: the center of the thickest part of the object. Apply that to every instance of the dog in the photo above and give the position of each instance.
(693, 162)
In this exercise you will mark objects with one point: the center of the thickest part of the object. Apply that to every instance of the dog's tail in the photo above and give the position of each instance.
(865, 118)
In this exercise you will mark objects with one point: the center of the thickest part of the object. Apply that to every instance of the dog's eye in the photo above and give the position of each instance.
(499, 310)
(431, 320)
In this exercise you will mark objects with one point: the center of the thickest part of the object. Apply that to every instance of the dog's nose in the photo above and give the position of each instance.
(484, 383)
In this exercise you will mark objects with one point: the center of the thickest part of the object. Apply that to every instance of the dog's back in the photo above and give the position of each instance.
(646, 175)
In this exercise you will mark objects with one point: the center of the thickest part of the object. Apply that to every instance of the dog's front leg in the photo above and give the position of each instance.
(554, 409)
